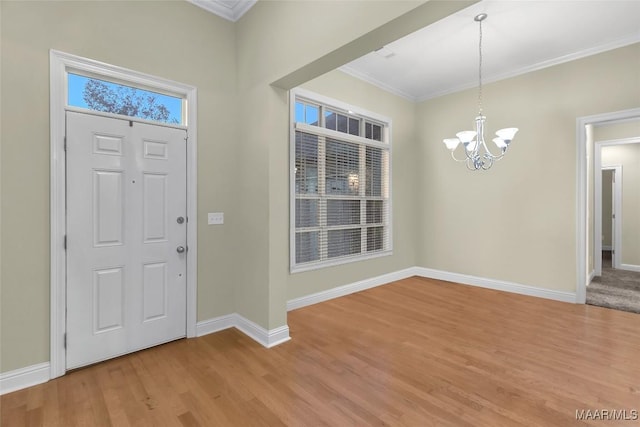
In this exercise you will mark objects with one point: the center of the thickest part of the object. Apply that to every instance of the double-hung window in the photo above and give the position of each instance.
(340, 189)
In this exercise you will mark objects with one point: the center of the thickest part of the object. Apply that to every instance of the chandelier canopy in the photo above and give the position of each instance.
(477, 154)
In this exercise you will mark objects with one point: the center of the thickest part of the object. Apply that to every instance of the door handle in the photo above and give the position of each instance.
(180, 249)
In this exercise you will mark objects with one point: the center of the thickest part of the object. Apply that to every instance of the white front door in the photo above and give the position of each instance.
(126, 236)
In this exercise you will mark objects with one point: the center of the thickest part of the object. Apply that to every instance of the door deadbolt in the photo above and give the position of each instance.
(180, 219)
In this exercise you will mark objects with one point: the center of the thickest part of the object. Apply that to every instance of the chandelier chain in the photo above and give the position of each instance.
(478, 156)
(480, 70)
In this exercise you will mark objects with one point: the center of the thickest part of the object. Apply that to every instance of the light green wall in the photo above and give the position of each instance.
(627, 156)
(276, 38)
(518, 221)
(174, 40)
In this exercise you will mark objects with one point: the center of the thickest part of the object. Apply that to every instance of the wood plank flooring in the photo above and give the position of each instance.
(416, 352)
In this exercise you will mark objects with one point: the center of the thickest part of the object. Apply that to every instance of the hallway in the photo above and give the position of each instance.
(617, 289)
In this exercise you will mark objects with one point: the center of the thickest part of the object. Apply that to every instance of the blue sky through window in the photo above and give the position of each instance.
(306, 113)
(77, 83)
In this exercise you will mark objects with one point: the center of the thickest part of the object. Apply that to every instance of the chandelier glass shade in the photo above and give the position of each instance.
(477, 153)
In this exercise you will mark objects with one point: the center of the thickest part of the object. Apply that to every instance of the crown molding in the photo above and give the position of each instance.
(231, 10)
(635, 38)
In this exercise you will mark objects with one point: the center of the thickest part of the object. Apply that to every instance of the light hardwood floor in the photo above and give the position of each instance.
(417, 352)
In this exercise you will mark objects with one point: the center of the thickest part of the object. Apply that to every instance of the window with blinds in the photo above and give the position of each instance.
(340, 192)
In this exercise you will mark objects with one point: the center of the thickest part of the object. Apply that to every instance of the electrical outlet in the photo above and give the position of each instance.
(214, 218)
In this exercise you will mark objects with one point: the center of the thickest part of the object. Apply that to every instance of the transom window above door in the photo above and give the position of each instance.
(339, 184)
(109, 97)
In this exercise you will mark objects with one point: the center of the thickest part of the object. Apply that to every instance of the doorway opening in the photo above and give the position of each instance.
(607, 213)
(613, 286)
(608, 216)
(585, 165)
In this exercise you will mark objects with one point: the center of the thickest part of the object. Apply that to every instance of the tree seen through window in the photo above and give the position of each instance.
(108, 97)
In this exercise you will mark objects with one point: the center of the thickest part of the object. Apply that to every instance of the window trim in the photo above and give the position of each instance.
(337, 106)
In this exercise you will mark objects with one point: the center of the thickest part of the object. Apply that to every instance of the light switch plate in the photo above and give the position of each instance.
(214, 218)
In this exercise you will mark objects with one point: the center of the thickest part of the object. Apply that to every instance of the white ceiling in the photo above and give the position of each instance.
(518, 37)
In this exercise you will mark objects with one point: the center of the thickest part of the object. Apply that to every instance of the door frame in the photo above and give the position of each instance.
(60, 63)
(583, 163)
(617, 209)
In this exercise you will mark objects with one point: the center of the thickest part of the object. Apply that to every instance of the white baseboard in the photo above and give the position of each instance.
(350, 288)
(267, 338)
(24, 377)
(591, 276)
(433, 274)
(216, 324)
(499, 285)
(630, 267)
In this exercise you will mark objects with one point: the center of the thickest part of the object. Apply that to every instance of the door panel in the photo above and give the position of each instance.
(126, 283)
(155, 290)
(108, 214)
(108, 292)
(155, 207)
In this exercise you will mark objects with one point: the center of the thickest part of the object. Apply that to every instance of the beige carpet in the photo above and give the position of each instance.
(617, 289)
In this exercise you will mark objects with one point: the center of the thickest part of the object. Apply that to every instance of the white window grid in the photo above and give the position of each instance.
(366, 120)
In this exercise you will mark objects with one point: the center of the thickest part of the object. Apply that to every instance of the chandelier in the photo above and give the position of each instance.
(477, 154)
